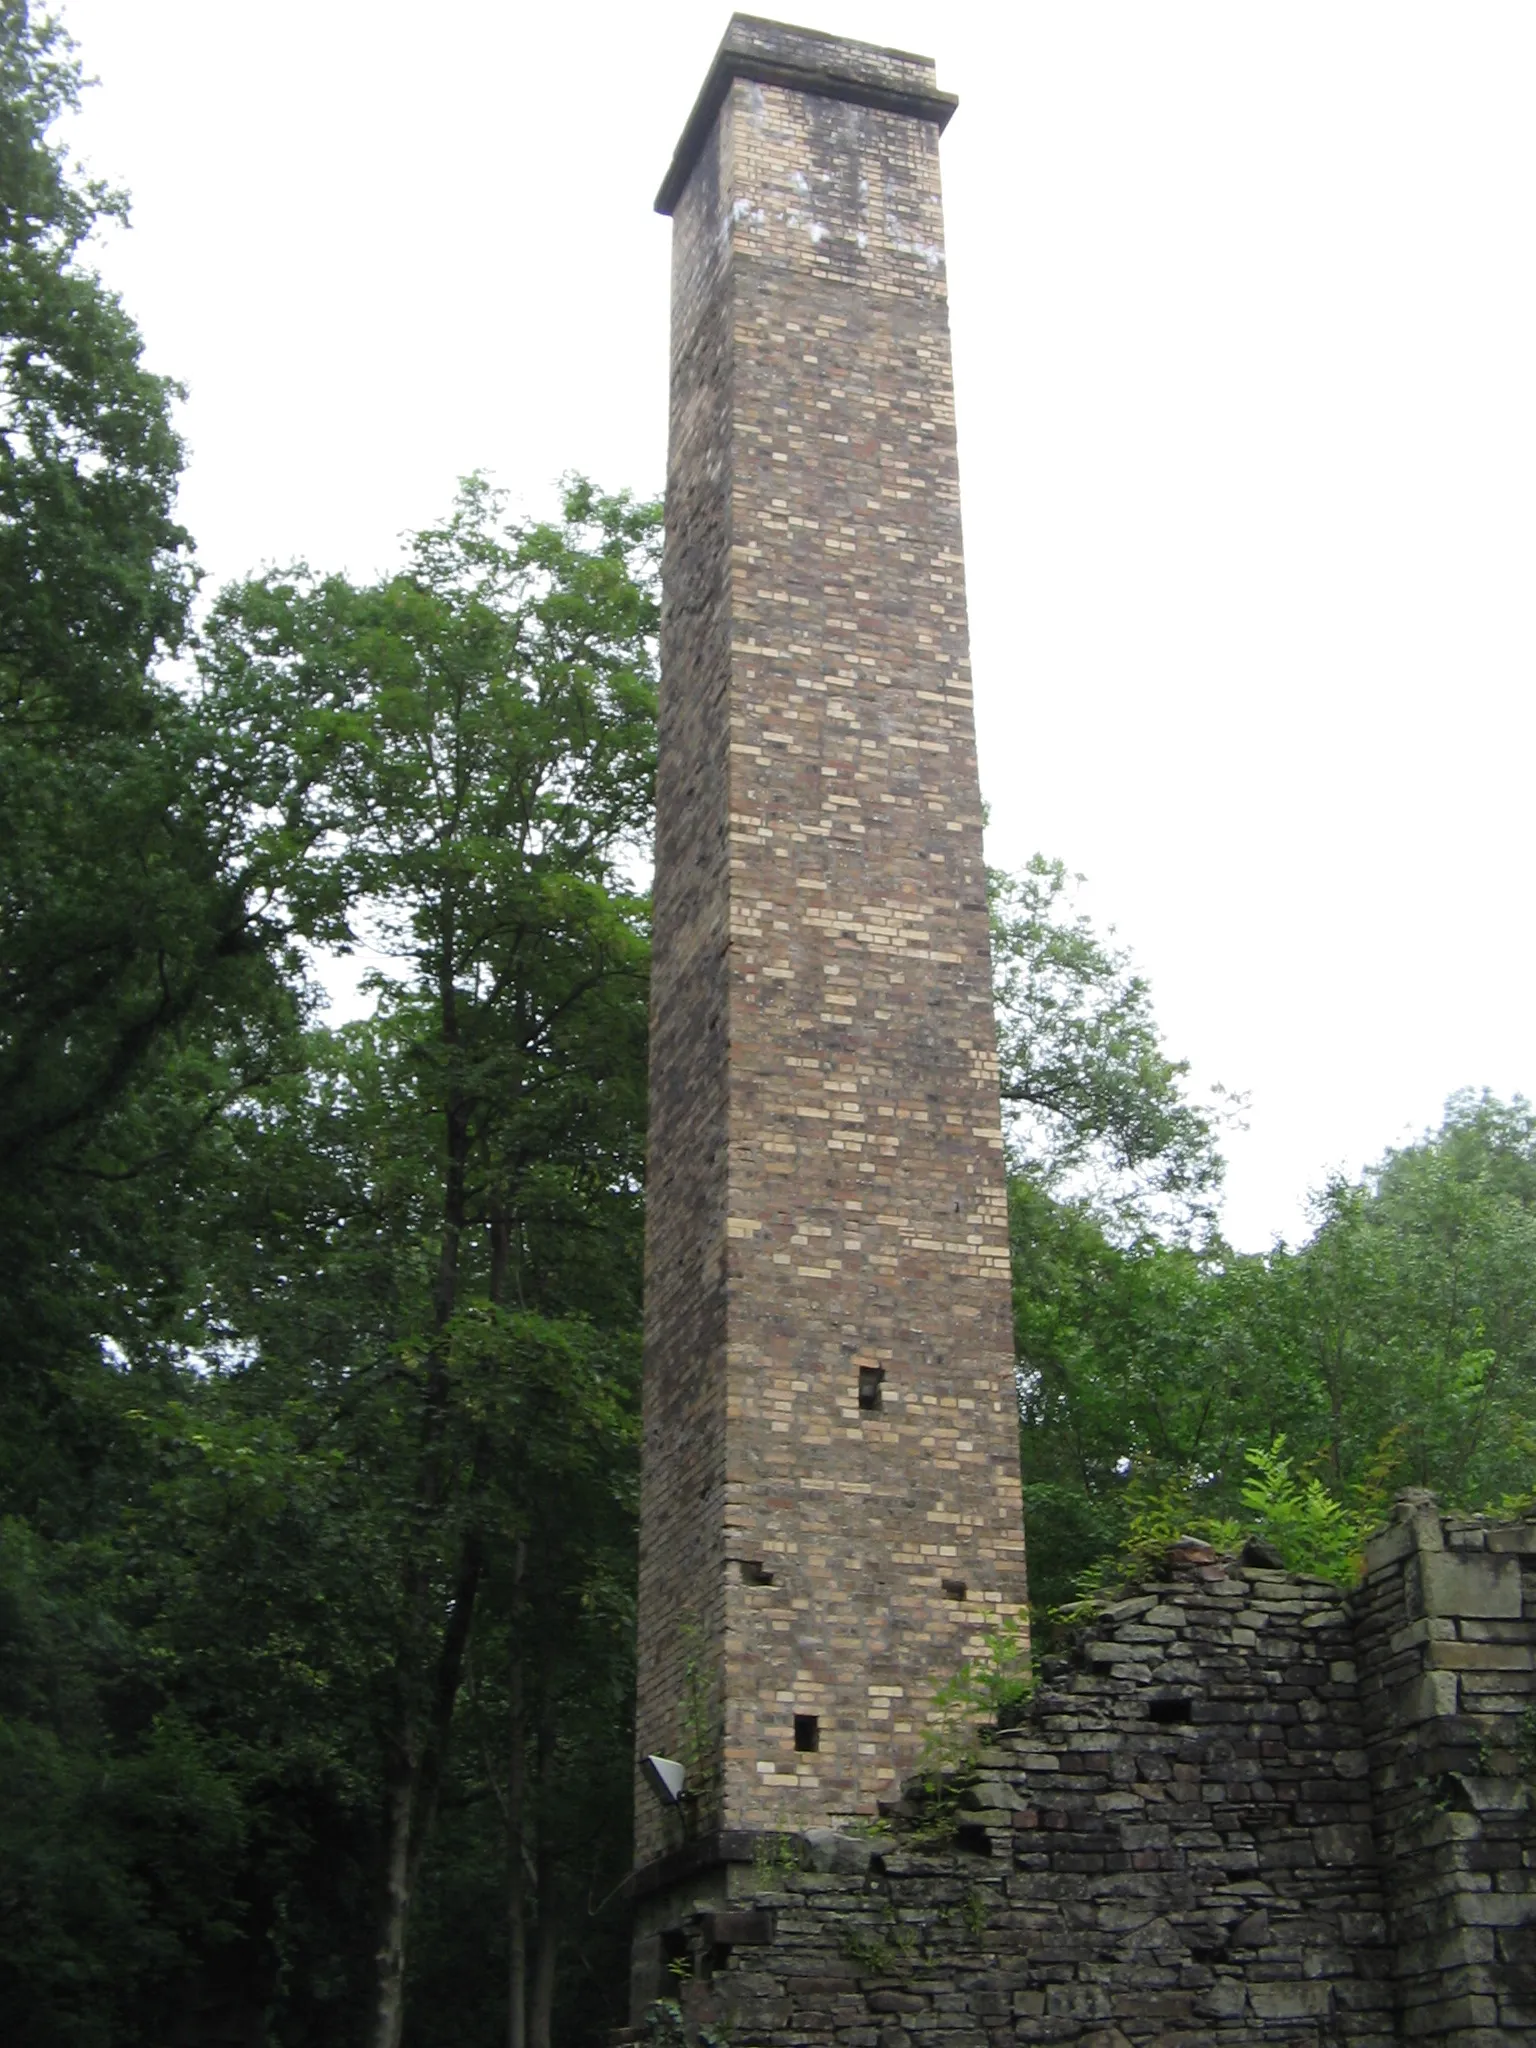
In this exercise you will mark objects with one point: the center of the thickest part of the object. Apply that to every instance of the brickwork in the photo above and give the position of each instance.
(831, 1506)
(1246, 1809)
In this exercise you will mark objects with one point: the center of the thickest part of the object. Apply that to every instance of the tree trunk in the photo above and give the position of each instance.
(517, 1849)
(389, 2011)
(542, 2005)
(410, 1807)
(412, 1795)
(547, 1939)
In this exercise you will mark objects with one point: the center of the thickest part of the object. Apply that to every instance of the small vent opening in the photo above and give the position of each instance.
(807, 1732)
(1169, 1711)
(954, 1589)
(870, 1379)
(753, 1574)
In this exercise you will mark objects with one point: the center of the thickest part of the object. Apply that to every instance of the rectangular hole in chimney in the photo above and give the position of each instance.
(1168, 1711)
(954, 1589)
(870, 1377)
(752, 1572)
(807, 1732)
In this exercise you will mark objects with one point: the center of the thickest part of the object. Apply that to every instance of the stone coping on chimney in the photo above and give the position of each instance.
(805, 60)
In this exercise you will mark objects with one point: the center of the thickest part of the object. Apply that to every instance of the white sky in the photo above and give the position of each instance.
(1245, 339)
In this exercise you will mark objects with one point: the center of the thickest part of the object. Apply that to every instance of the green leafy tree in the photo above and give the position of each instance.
(138, 993)
(1397, 1346)
(1415, 1300)
(117, 919)
(124, 935)
(1095, 1109)
(456, 764)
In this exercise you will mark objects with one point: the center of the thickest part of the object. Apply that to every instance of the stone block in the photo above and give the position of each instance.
(1450, 2016)
(830, 1850)
(990, 1794)
(1414, 1634)
(1432, 1697)
(1500, 1909)
(1389, 1546)
(1481, 1583)
(1225, 1999)
(1459, 1656)
(738, 1929)
(1288, 2000)
(1345, 1845)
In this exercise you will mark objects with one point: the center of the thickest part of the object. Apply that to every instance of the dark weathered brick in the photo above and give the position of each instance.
(825, 1193)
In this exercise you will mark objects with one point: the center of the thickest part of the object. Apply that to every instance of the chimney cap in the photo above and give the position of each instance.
(805, 60)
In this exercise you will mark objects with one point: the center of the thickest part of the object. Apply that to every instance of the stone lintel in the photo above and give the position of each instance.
(805, 60)
(706, 1852)
(749, 1929)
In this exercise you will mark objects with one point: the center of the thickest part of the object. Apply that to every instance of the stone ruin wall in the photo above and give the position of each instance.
(1245, 1808)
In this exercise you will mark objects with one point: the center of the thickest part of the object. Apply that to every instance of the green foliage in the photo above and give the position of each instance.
(989, 1688)
(1416, 1300)
(1526, 1754)
(666, 2026)
(120, 1831)
(1312, 1531)
(456, 764)
(1143, 1359)
(1095, 1108)
(117, 921)
(140, 990)
(1396, 1347)
(349, 1519)
(775, 1858)
(887, 1953)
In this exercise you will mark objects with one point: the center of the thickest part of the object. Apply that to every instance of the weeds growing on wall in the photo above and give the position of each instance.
(1311, 1531)
(990, 1689)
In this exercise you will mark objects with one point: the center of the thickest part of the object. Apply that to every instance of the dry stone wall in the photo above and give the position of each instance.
(1446, 1629)
(1245, 1809)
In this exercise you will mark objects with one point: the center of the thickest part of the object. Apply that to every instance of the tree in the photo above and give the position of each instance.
(1094, 1107)
(122, 930)
(116, 915)
(457, 762)
(1416, 1302)
(1124, 1356)
(1141, 1366)
(1396, 1347)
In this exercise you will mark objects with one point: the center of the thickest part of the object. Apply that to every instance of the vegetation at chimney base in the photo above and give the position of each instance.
(319, 1340)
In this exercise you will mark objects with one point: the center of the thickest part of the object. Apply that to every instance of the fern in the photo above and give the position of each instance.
(1312, 1531)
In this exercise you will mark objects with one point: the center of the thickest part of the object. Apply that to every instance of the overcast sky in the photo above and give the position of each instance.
(1245, 341)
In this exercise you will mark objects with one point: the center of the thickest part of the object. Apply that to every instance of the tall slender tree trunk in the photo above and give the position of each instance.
(541, 2002)
(517, 1823)
(411, 1795)
(389, 2011)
